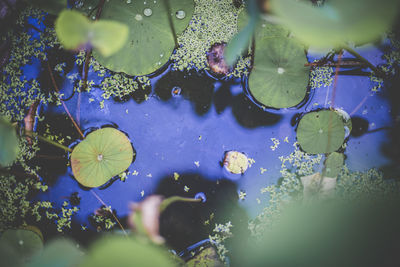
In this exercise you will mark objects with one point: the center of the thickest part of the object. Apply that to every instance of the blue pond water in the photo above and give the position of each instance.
(189, 133)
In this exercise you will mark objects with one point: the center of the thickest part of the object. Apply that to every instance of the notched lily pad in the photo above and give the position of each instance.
(150, 42)
(321, 132)
(279, 78)
(102, 155)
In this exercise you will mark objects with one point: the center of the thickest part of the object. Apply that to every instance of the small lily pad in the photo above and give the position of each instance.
(279, 78)
(8, 143)
(24, 243)
(102, 155)
(333, 164)
(236, 162)
(76, 31)
(150, 42)
(321, 132)
(123, 251)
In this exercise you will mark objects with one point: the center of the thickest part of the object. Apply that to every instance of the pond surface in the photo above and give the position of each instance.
(190, 120)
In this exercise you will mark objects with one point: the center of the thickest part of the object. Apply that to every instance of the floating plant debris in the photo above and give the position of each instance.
(321, 132)
(215, 59)
(102, 155)
(235, 162)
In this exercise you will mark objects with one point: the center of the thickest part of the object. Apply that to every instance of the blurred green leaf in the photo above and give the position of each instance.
(320, 132)
(72, 29)
(241, 40)
(60, 253)
(103, 154)
(108, 36)
(75, 31)
(24, 243)
(8, 143)
(336, 22)
(125, 252)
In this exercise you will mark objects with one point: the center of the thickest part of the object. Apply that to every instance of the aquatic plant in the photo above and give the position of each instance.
(333, 164)
(102, 155)
(320, 132)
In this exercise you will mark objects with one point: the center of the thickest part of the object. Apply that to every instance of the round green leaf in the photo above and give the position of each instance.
(122, 251)
(72, 29)
(8, 143)
(333, 164)
(25, 243)
(279, 78)
(60, 253)
(320, 132)
(336, 22)
(150, 42)
(103, 154)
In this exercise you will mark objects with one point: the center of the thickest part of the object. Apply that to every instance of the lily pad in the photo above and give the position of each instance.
(150, 42)
(102, 155)
(321, 132)
(76, 31)
(278, 78)
(24, 243)
(333, 164)
(122, 251)
(336, 22)
(8, 143)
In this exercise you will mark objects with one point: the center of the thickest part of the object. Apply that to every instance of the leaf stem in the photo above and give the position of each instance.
(364, 60)
(168, 201)
(51, 142)
(62, 102)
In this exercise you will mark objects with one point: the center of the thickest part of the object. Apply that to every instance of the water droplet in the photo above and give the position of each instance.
(147, 12)
(180, 14)
(201, 196)
(128, 1)
(99, 157)
(138, 17)
(321, 131)
(176, 91)
(281, 70)
(90, 7)
(21, 242)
